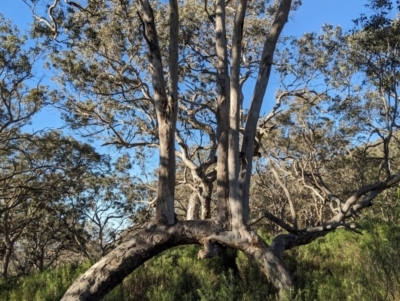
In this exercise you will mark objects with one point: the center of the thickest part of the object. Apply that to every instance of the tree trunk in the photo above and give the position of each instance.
(235, 197)
(205, 200)
(7, 258)
(6, 262)
(222, 114)
(166, 108)
(257, 100)
(41, 259)
(193, 207)
(114, 267)
(232, 205)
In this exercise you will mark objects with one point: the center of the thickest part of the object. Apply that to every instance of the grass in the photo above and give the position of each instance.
(340, 266)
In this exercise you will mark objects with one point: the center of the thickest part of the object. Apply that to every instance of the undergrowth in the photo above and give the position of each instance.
(341, 266)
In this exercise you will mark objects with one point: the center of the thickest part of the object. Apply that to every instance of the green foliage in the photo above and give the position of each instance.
(178, 275)
(45, 286)
(340, 266)
(348, 266)
(326, 133)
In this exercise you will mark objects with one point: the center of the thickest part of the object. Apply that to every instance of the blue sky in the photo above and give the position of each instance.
(314, 13)
(310, 17)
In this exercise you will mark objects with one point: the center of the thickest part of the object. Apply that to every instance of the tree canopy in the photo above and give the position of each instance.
(185, 81)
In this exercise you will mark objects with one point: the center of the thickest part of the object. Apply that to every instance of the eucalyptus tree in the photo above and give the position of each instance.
(141, 74)
(335, 145)
(21, 94)
(56, 236)
(86, 221)
(45, 242)
(38, 170)
(106, 212)
(19, 101)
(49, 168)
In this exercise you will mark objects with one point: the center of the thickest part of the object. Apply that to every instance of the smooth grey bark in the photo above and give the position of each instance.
(107, 273)
(233, 204)
(203, 181)
(193, 208)
(363, 197)
(235, 200)
(257, 99)
(166, 108)
(205, 199)
(115, 266)
(165, 232)
(222, 113)
(356, 202)
(203, 191)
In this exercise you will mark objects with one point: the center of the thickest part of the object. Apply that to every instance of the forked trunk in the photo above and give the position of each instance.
(229, 229)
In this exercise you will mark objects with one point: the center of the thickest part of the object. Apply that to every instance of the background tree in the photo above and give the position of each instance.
(20, 97)
(50, 168)
(344, 139)
(18, 103)
(106, 211)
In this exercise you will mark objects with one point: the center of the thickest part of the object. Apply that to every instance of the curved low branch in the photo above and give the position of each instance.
(119, 263)
(114, 267)
(274, 219)
(366, 194)
(358, 201)
(283, 242)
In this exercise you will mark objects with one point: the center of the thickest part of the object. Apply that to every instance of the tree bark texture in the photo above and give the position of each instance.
(166, 108)
(193, 207)
(6, 260)
(229, 229)
(222, 113)
(258, 97)
(103, 276)
(235, 200)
